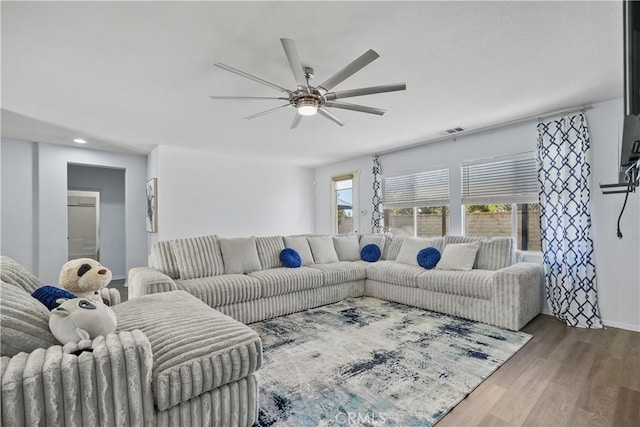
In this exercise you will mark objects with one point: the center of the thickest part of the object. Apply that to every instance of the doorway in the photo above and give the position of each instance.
(83, 224)
(344, 204)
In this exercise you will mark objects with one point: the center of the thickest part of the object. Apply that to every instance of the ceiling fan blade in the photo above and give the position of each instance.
(272, 110)
(330, 116)
(248, 97)
(355, 107)
(356, 65)
(294, 62)
(296, 121)
(365, 91)
(251, 77)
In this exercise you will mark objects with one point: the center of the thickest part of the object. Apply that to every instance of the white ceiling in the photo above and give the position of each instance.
(131, 75)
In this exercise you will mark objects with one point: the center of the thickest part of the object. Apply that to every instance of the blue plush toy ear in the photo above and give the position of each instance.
(370, 252)
(290, 258)
(49, 295)
(428, 257)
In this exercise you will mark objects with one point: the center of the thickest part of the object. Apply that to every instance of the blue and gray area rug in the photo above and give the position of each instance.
(364, 361)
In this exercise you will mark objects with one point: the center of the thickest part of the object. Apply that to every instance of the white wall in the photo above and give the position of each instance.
(47, 163)
(617, 260)
(110, 183)
(206, 193)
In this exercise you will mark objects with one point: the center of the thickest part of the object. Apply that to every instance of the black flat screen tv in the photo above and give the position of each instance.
(630, 150)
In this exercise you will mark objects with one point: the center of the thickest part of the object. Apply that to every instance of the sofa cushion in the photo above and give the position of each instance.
(198, 257)
(458, 256)
(240, 255)
(341, 272)
(347, 247)
(411, 246)
(378, 239)
(24, 322)
(473, 283)
(269, 248)
(195, 348)
(278, 281)
(392, 248)
(322, 249)
(15, 274)
(225, 289)
(494, 253)
(163, 259)
(301, 245)
(395, 273)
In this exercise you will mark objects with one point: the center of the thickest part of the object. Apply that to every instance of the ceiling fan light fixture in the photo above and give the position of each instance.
(307, 106)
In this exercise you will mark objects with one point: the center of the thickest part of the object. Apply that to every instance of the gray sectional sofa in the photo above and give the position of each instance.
(245, 279)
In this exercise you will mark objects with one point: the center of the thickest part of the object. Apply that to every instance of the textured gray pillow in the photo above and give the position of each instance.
(378, 239)
(323, 250)
(347, 247)
(458, 256)
(198, 257)
(15, 274)
(494, 252)
(24, 322)
(269, 248)
(301, 245)
(411, 246)
(240, 255)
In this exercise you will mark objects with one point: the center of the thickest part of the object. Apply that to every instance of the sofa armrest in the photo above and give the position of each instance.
(112, 295)
(105, 381)
(146, 280)
(517, 294)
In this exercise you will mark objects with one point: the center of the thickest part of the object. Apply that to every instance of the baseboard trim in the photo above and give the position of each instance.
(621, 325)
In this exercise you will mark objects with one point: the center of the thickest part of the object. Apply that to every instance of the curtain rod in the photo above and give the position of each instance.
(538, 117)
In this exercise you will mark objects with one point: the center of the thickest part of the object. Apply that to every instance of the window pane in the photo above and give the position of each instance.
(529, 217)
(432, 221)
(488, 220)
(399, 221)
(344, 200)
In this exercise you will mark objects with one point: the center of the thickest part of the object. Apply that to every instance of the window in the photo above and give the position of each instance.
(416, 204)
(501, 199)
(344, 208)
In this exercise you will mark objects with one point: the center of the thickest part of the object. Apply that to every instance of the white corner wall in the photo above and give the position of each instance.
(206, 193)
(40, 204)
(617, 260)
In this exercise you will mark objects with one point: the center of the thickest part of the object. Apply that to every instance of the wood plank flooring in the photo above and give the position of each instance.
(563, 377)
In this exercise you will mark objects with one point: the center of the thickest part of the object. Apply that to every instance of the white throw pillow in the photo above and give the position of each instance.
(240, 255)
(377, 239)
(458, 256)
(347, 247)
(411, 246)
(323, 250)
(301, 245)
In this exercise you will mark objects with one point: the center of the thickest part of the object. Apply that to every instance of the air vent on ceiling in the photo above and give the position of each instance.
(451, 131)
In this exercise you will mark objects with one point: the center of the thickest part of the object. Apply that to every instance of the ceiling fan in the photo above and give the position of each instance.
(308, 99)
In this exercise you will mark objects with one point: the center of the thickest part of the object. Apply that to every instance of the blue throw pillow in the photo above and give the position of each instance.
(428, 257)
(370, 252)
(290, 258)
(49, 294)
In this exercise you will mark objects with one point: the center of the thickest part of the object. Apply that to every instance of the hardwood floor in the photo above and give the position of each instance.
(562, 377)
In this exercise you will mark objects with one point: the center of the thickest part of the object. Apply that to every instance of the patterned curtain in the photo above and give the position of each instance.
(563, 174)
(377, 217)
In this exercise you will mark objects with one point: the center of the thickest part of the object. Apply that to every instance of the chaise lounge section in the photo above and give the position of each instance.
(245, 279)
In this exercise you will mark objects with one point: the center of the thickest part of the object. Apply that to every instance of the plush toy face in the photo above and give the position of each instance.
(84, 276)
(79, 318)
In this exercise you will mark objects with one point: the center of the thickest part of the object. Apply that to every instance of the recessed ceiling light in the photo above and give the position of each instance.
(79, 141)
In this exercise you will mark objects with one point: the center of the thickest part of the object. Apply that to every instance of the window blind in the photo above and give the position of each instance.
(419, 189)
(505, 180)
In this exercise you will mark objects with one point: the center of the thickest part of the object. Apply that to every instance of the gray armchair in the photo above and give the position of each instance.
(172, 361)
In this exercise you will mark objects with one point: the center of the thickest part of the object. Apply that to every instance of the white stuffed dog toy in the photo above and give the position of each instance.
(81, 319)
(84, 277)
